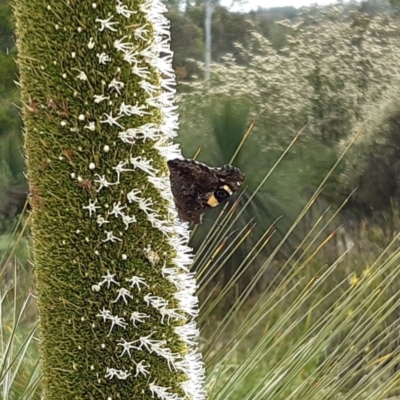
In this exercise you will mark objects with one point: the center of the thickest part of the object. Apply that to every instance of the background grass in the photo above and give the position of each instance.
(300, 329)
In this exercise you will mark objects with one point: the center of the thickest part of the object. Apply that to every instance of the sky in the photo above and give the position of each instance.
(253, 4)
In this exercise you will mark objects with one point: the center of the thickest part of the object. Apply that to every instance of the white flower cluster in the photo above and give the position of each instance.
(327, 68)
(189, 364)
(147, 56)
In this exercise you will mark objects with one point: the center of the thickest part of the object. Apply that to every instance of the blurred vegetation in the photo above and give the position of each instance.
(13, 188)
(324, 69)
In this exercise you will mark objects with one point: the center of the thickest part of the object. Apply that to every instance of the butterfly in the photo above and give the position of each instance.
(196, 187)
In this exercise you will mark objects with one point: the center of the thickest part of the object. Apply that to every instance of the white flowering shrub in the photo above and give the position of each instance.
(348, 63)
(115, 296)
(332, 66)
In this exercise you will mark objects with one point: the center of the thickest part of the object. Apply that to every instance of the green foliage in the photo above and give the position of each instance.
(13, 189)
(11, 245)
(334, 66)
(19, 357)
(11, 159)
(228, 29)
(6, 26)
(265, 22)
(319, 329)
(373, 162)
(186, 39)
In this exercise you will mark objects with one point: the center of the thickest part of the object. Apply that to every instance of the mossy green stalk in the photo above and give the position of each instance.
(108, 252)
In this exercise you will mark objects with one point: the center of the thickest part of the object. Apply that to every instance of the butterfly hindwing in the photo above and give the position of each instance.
(197, 187)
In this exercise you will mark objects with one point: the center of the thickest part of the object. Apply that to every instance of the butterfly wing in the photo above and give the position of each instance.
(229, 175)
(191, 183)
(189, 175)
(194, 183)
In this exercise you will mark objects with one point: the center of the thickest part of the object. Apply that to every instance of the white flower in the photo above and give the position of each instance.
(133, 196)
(82, 76)
(162, 392)
(130, 56)
(141, 72)
(137, 316)
(120, 45)
(91, 43)
(162, 184)
(143, 164)
(171, 313)
(111, 120)
(171, 151)
(127, 109)
(107, 24)
(169, 84)
(111, 238)
(96, 288)
(123, 374)
(101, 220)
(145, 205)
(116, 321)
(149, 88)
(127, 136)
(103, 182)
(105, 314)
(166, 353)
(91, 126)
(141, 32)
(116, 85)
(188, 333)
(127, 346)
(124, 294)
(117, 209)
(146, 342)
(109, 279)
(155, 301)
(120, 168)
(117, 373)
(111, 373)
(161, 101)
(123, 9)
(180, 280)
(98, 98)
(149, 131)
(142, 368)
(127, 220)
(103, 58)
(164, 65)
(137, 281)
(188, 302)
(91, 207)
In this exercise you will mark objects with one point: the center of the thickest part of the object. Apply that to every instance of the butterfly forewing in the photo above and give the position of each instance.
(196, 187)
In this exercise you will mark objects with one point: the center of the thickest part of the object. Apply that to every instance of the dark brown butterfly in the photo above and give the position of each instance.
(196, 187)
